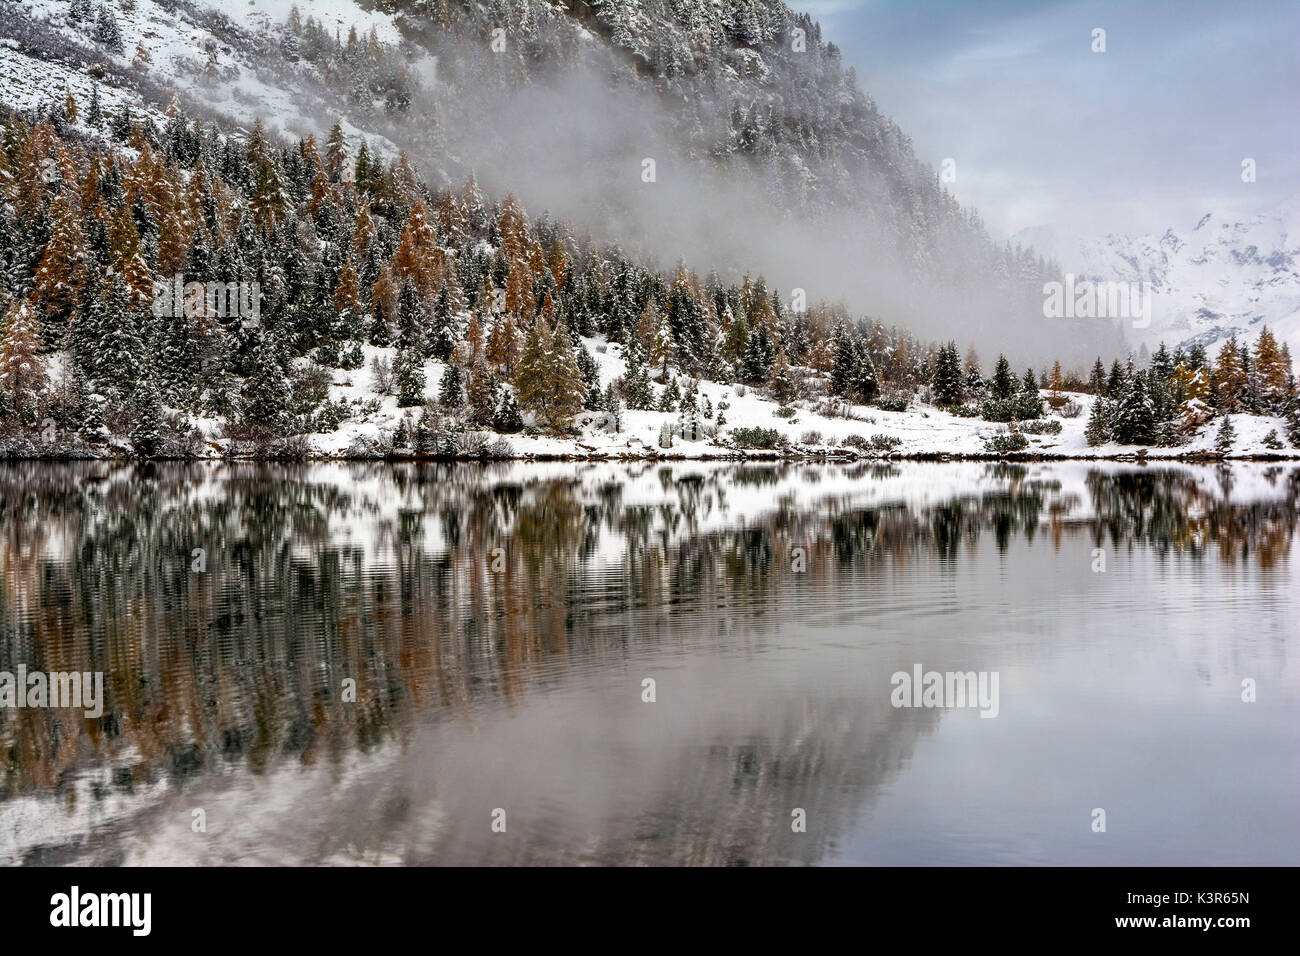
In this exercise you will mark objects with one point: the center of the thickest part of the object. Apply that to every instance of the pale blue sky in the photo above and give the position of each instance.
(1147, 135)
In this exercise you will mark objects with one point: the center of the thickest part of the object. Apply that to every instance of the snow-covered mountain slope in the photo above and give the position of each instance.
(771, 159)
(1217, 277)
(221, 60)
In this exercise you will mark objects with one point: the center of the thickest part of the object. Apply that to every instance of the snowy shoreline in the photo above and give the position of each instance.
(721, 455)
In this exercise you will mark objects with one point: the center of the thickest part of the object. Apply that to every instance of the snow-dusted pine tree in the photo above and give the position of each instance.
(408, 379)
(1225, 437)
(635, 381)
(1134, 421)
(947, 378)
(1098, 430)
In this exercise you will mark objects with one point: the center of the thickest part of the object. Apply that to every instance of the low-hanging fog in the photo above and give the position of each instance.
(573, 140)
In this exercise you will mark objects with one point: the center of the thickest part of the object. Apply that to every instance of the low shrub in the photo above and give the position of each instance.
(1020, 407)
(757, 438)
(331, 415)
(1042, 426)
(1011, 441)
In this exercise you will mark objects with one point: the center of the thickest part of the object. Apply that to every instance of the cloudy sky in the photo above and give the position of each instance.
(1147, 135)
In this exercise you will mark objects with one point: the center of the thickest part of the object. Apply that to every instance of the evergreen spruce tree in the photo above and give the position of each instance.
(95, 111)
(568, 391)
(178, 360)
(507, 418)
(145, 432)
(351, 356)
(265, 396)
(411, 321)
(379, 333)
(336, 153)
(1004, 383)
(120, 357)
(1116, 383)
(423, 440)
(107, 32)
(689, 425)
(685, 319)
(530, 374)
(1135, 421)
(1225, 437)
(121, 124)
(1097, 379)
(1293, 422)
(844, 360)
(446, 326)
(612, 404)
(589, 372)
(1098, 430)
(451, 391)
(1250, 400)
(86, 417)
(71, 404)
(635, 382)
(404, 435)
(866, 385)
(1162, 363)
(759, 354)
(671, 396)
(947, 379)
(408, 379)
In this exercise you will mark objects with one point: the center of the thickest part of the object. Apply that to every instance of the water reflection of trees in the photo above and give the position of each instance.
(1172, 511)
(385, 575)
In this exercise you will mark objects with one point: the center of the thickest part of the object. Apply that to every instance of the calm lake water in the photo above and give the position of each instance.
(499, 625)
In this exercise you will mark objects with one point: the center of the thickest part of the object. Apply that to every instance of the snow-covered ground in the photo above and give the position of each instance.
(921, 430)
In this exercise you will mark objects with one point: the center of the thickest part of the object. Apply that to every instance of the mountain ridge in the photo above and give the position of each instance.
(1222, 276)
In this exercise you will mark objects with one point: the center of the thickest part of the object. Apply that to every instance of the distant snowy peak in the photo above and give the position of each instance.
(1223, 275)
